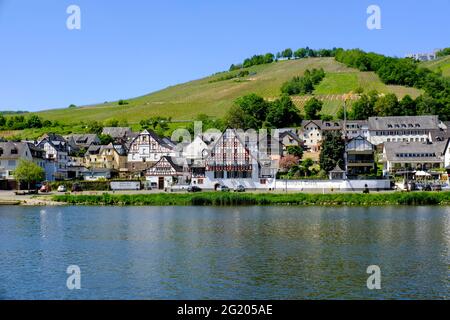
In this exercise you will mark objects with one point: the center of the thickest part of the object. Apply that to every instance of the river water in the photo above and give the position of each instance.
(224, 253)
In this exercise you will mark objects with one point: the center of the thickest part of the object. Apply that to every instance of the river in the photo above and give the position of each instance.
(224, 253)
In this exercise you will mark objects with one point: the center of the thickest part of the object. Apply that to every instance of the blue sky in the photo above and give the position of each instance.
(129, 48)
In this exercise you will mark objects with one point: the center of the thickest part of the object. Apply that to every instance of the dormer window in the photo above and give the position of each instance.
(389, 125)
(14, 151)
(417, 125)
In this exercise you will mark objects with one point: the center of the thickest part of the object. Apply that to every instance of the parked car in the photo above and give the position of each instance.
(426, 187)
(224, 189)
(76, 188)
(194, 189)
(239, 188)
(436, 187)
(62, 188)
(45, 188)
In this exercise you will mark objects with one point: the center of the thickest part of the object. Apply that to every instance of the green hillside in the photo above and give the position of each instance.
(442, 64)
(213, 96)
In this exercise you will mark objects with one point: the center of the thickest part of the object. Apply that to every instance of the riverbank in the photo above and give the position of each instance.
(263, 199)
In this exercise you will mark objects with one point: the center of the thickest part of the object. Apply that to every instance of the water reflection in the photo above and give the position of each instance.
(227, 253)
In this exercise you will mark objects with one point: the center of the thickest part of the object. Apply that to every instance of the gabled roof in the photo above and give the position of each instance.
(394, 151)
(353, 146)
(337, 169)
(8, 147)
(291, 134)
(405, 122)
(55, 140)
(158, 139)
(117, 132)
(171, 160)
(324, 125)
(214, 144)
(82, 139)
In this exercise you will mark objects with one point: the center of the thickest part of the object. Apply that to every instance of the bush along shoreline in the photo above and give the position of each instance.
(249, 199)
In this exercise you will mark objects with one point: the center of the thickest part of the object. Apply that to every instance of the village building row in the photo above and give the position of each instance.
(232, 158)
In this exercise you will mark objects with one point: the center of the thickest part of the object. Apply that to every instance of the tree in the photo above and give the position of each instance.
(300, 53)
(34, 122)
(408, 106)
(111, 123)
(306, 165)
(283, 113)
(122, 102)
(326, 117)
(340, 114)
(95, 127)
(312, 109)
(388, 106)
(238, 119)
(27, 171)
(362, 109)
(332, 153)
(2, 120)
(248, 112)
(72, 106)
(288, 161)
(269, 58)
(105, 139)
(296, 151)
(287, 53)
(254, 105)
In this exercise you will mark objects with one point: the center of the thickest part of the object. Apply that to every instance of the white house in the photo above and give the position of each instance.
(57, 153)
(197, 149)
(12, 152)
(312, 132)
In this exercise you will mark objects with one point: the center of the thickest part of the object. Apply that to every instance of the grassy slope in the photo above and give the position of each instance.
(185, 101)
(442, 64)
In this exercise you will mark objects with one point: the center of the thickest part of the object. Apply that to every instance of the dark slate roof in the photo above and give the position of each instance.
(406, 122)
(117, 132)
(56, 140)
(393, 150)
(7, 147)
(82, 140)
(324, 125)
(292, 135)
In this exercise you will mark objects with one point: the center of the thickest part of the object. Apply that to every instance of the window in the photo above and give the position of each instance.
(14, 151)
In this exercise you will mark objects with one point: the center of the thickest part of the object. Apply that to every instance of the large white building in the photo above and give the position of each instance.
(403, 129)
(400, 156)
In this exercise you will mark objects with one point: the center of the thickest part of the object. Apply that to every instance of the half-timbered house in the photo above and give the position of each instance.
(146, 149)
(167, 172)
